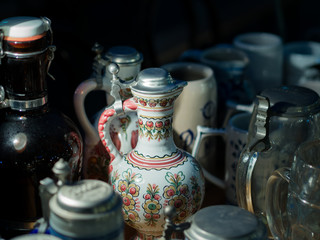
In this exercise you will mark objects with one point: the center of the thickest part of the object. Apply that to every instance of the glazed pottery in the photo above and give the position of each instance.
(265, 53)
(124, 129)
(155, 173)
(200, 95)
(235, 137)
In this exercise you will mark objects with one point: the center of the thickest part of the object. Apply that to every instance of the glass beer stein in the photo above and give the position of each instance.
(293, 196)
(283, 118)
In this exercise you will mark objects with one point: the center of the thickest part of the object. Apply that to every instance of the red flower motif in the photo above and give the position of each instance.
(140, 121)
(132, 190)
(123, 187)
(147, 215)
(170, 192)
(126, 201)
(147, 196)
(159, 124)
(157, 197)
(142, 102)
(149, 124)
(156, 216)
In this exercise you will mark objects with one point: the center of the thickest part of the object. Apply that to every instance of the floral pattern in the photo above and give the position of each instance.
(155, 130)
(152, 205)
(129, 192)
(177, 194)
(152, 103)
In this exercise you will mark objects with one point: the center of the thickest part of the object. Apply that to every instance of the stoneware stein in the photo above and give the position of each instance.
(124, 129)
(299, 57)
(235, 136)
(229, 65)
(222, 222)
(265, 53)
(293, 196)
(196, 105)
(283, 118)
(155, 173)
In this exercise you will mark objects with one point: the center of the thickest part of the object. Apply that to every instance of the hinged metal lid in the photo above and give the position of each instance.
(124, 55)
(155, 81)
(292, 101)
(222, 222)
(24, 27)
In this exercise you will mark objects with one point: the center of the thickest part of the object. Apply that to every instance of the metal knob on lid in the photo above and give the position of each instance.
(75, 207)
(156, 80)
(224, 222)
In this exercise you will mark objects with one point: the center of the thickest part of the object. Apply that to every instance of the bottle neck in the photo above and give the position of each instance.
(23, 76)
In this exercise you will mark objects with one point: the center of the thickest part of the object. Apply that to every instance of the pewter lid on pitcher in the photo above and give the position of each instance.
(225, 222)
(156, 81)
(124, 55)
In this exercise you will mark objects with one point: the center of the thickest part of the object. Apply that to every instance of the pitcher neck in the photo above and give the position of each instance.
(155, 116)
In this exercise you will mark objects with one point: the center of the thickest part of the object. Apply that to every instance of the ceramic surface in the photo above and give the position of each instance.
(155, 173)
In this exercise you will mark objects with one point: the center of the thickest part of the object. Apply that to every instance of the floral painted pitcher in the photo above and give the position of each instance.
(155, 173)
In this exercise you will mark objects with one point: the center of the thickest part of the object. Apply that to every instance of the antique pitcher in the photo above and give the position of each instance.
(124, 130)
(283, 118)
(155, 173)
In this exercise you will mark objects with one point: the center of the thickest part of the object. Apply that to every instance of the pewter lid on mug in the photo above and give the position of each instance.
(156, 81)
(80, 204)
(124, 55)
(292, 101)
(225, 222)
(24, 27)
(36, 237)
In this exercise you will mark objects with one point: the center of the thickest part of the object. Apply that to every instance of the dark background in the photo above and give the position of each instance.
(161, 30)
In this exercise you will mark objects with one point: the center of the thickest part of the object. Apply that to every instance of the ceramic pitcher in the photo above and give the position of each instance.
(155, 173)
(124, 129)
(283, 118)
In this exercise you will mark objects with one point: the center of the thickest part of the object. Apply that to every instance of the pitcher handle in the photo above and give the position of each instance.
(203, 132)
(276, 201)
(105, 120)
(79, 97)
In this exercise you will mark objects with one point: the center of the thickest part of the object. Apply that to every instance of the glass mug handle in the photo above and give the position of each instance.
(203, 132)
(276, 202)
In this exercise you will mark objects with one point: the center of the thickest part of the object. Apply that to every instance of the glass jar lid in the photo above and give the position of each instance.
(156, 81)
(124, 55)
(292, 101)
(224, 222)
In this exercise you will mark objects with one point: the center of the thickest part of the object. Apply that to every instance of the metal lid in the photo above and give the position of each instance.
(124, 55)
(155, 81)
(36, 237)
(222, 222)
(24, 27)
(75, 207)
(88, 196)
(292, 100)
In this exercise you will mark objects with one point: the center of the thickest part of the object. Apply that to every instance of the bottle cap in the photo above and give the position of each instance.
(24, 28)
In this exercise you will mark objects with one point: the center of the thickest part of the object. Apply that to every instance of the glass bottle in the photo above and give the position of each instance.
(32, 135)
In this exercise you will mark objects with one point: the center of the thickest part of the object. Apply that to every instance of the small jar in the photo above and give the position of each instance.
(90, 209)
